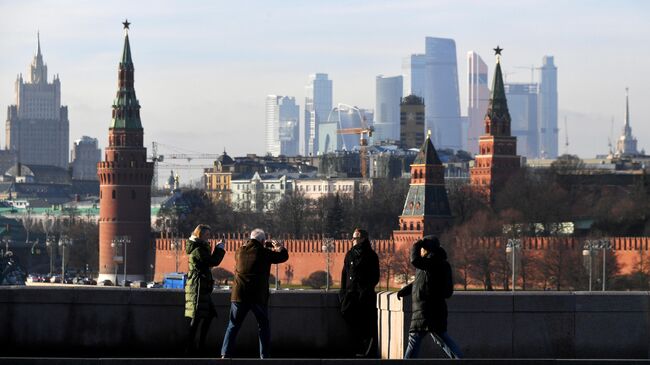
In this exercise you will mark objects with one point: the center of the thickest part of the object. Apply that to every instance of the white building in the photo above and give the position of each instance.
(282, 125)
(318, 104)
(260, 192)
(388, 94)
(318, 188)
(85, 155)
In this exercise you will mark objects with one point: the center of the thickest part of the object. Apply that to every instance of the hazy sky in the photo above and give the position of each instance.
(203, 68)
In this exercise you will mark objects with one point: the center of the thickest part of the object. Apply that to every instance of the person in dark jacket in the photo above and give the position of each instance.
(199, 308)
(250, 290)
(432, 286)
(358, 300)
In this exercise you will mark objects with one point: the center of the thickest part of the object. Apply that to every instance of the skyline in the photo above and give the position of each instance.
(208, 93)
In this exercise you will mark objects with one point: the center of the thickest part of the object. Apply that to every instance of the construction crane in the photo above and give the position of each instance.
(532, 69)
(157, 158)
(364, 132)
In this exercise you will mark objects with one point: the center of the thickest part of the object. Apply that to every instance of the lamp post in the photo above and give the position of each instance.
(64, 241)
(6, 240)
(511, 247)
(117, 243)
(328, 247)
(588, 250)
(50, 242)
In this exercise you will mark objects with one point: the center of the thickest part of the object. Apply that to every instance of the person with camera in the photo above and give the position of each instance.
(432, 286)
(199, 308)
(358, 300)
(250, 290)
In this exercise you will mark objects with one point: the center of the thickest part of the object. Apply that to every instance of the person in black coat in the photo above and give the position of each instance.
(432, 286)
(359, 277)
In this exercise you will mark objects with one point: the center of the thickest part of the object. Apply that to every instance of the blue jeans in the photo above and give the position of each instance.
(443, 340)
(238, 313)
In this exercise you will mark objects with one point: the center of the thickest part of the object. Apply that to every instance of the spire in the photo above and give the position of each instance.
(498, 105)
(428, 154)
(627, 128)
(38, 69)
(38, 39)
(126, 108)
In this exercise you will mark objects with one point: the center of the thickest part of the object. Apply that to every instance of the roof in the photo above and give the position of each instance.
(429, 200)
(126, 107)
(427, 154)
(498, 104)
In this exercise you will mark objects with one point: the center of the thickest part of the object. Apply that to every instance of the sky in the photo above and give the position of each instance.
(204, 68)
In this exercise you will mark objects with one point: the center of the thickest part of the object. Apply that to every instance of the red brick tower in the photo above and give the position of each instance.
(497, 158)
(125, 184)
(426, 209)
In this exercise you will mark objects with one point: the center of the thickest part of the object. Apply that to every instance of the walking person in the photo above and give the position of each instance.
(250, 290)
(432, 286)
(358, 300)
(199, 308)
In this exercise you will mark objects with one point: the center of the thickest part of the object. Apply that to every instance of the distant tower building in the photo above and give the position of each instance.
(387, 107)
(411, 122)
(548, 109)
(318, 105)
(125, 183)
(441, 96)
(37, 126)
(85, 155)
(413, 71)
(497, 159)
(479, 95)
(426, 209)
(522, 105)
(282, 128)
(626, 144)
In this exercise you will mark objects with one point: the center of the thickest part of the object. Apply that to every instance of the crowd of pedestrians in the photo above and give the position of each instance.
(431, 288)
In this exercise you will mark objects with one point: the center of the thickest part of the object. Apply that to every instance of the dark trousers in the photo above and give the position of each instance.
(238, 312)
(194, 324)
(443, 340)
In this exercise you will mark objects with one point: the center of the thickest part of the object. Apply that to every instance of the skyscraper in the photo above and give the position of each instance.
(85, 156)
(626, 144)
(37, 125)
(318, 104)
(479, 95)
(548, 109)
(411, 122)
(124, 184)
(282, 128)
(441, 96)
(522, 104)
(387, 101)
(413, 71)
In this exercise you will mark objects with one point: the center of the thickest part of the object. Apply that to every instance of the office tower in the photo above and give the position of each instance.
(522, 104)
(548, 109)
(413, 71)
(497, 159)
(125, 184)
(318, 104)
(282, 128)
(387, 106)
(84, 156)
(441, 97)
(411, 122)
(479, 95)
(626, 144)
(37, 126)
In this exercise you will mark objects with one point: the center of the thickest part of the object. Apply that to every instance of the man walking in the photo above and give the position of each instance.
(359, 277)
(432, 286)
(250, 290)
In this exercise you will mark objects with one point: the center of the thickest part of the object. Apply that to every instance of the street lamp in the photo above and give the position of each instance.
(6, 240)
(117, 243)
(64, 241)
(176, 246)
(511, 247)
(588, 250)
(328, 247)
(50, 242)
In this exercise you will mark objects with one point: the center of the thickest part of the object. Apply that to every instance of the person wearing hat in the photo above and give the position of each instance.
(358, 300)
(199, 308)
(432, 286)
(250, 290)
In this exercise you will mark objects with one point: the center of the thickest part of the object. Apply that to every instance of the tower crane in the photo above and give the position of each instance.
(364, 132)
(157, 158)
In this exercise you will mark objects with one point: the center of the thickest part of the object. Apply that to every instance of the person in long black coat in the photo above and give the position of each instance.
(359, 277)
(432, 286)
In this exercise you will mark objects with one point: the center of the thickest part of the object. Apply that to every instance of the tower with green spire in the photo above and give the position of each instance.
(497, 158)
(125, 184)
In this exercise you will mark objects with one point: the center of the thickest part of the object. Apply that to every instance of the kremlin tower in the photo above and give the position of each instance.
(497, 158)
(125, 185)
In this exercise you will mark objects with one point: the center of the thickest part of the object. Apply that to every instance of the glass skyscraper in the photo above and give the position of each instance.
(522, 105)
(282, 128)
(318, 104)
(387, 103)
(548, 109)
(479, 96)
(413, 72)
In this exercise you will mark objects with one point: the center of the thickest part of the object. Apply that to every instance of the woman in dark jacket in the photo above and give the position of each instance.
(432, 286)
(198, 290)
